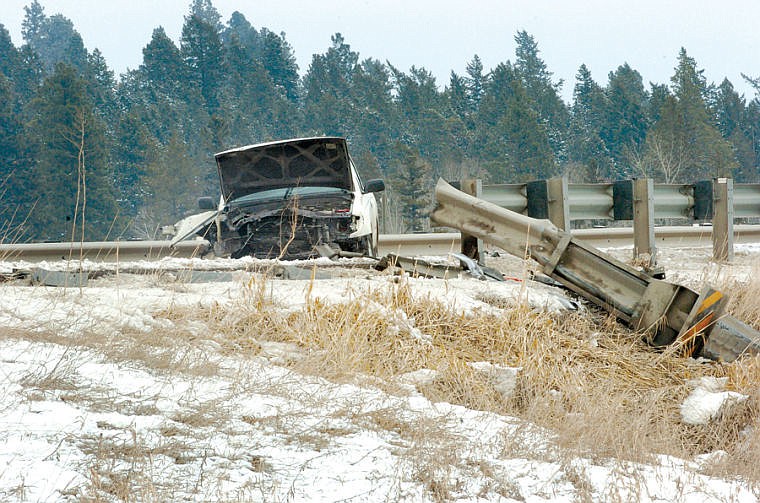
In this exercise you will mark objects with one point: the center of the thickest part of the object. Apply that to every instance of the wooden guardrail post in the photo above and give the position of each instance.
(723, 219)
(470, 245)
(643, 220)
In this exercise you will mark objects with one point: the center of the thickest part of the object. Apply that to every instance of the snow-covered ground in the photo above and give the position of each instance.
(83, 418)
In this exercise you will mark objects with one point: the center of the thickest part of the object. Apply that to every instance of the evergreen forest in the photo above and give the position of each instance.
(86, 154)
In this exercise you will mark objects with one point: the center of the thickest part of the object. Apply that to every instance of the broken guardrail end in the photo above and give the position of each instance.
(669, 313)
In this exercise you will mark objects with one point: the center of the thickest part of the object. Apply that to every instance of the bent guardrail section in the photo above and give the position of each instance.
(668, 313)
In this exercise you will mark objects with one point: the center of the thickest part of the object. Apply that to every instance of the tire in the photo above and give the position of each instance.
(369, 247)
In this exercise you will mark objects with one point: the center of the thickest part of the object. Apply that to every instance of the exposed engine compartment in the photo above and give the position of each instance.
(268, 230)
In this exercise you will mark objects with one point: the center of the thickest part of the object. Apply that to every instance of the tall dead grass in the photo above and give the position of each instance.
(603, 391)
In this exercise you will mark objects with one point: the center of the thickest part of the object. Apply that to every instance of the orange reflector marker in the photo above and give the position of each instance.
(702, 316)
(709, 301)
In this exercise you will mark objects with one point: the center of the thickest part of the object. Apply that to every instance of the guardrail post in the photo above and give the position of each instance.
(557, 202)
(643, 220)
(723, 219)
(470, 245)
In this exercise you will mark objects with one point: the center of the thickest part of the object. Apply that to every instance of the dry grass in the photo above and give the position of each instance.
(121, 467)
(597, 385)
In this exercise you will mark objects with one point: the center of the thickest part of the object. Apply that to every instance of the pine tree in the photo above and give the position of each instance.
(685, 144)
(245, 34)
(137, 150)
(28, 78)
(11, 60)
(753, 126)
(374, 129)
(161, 93)
(513, 141)
(202, 51)
(587, 148)
(169, 197)
(71, 178)
(625, 122)
(267, 48)
(328, 101)
(53, 38)
(462, 118)
(14, 186)
(475, 83)
(257, 110)
(206, 12)
(277, 56)
(733, 122)
(162, 66)
(543, 93)
(33, 24)
(424, 115)
(456, 94)
(101, 88)
(412, 184)
(753, 133)
(23, 71)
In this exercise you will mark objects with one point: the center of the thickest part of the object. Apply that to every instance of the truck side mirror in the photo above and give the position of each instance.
(206, 203)
(375, 185)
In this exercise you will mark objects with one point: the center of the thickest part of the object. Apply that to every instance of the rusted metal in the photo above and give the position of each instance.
(668, 313)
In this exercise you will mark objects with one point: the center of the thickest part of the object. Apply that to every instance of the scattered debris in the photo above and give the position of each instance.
(334, 252)
(44, 277)
(422, 268)
(417, 267)
(14, 275)
(296, 273)
(194, 276)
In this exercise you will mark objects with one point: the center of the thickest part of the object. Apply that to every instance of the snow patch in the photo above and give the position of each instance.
(707, 399)
(503, 379)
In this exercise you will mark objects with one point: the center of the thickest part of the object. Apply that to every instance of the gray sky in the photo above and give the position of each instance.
(443, 35)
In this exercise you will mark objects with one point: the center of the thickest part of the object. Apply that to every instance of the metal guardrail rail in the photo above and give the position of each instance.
(719, 201)
(104, 251)
(433, 243)
(746, 200)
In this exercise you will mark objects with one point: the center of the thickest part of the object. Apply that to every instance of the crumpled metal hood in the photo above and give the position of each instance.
(315, 162)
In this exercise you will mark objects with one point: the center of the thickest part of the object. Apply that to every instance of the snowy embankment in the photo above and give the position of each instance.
(99, 401)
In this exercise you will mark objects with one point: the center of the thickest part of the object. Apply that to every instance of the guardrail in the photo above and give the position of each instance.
(113, 251)
(431, 243)
(641, 201)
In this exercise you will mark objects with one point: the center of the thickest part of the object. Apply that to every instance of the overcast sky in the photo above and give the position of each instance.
(443, 35)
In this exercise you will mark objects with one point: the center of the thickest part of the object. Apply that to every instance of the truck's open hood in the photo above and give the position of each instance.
(320, 162)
